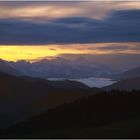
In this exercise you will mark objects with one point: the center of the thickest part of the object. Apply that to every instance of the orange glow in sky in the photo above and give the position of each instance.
(31, 53)
(34, 53)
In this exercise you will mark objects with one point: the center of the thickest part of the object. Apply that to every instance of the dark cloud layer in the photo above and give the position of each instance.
(118, 48)
(120, 26)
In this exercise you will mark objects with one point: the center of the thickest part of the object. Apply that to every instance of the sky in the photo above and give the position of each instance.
(37, 30)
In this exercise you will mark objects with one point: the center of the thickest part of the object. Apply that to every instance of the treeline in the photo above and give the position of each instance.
(92, 111)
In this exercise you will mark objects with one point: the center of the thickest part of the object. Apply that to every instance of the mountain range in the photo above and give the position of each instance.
(23, 97)
(58, 68)
(135, 72)
(65, 69)
(126, 84)
(6, 68)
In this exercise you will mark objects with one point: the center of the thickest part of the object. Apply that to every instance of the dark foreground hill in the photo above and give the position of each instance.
(127, 84)
(23, 97)
(113, 114)
(71, 109)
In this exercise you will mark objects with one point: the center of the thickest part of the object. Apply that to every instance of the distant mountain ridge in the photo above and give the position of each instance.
(60, 68)
(135, 72)
(127, 84)
(64, 68)
(6, 68)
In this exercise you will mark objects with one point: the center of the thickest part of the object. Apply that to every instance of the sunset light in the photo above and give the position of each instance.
(70, 69)
(36, 52)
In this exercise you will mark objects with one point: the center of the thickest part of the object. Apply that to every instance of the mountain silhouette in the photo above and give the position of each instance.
(59, 68)
(22, 97)
(97, 112)
(127, 84)
(6, 68)
(135, 72)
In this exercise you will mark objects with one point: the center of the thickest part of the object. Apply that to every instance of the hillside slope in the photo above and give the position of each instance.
(127, 84)
(6, 68)
(98, 116)
(22, 97)
(135, 72)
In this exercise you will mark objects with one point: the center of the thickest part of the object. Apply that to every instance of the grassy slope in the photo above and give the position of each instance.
(125, 126)
(124, 129)
(24, 97)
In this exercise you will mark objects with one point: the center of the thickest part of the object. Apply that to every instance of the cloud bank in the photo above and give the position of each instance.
(50, 10)
(120, 26)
